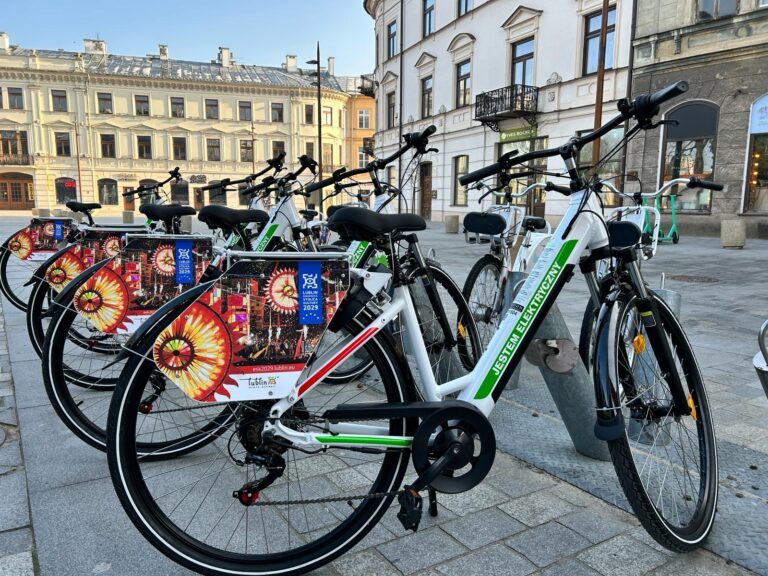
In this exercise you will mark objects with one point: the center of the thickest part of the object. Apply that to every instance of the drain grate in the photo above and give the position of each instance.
(694, 279)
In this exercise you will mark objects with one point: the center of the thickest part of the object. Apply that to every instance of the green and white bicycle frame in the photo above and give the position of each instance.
(579, 233)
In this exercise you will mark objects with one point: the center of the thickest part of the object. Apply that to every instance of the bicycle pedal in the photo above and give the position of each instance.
(411, 505)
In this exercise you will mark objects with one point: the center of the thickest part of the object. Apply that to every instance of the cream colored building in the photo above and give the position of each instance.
(90, 125)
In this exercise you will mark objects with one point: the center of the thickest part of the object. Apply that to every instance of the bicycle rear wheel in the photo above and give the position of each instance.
(14, 274)
(667, 464)
(185, 507)
(480, 291)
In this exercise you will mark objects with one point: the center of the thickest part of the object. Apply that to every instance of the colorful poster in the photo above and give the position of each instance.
(148, 272)
(95, 245)
(248, 337)
(40, 239)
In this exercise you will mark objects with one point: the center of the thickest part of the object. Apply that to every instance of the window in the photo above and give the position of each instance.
(362, 157)
(177, 107)
(327, 155)
(246, 151)
(278, 146)
(277, 112)
(62, 144)
(59, 100)
(211, 109)
(391, 110)
(309, 114)
(242, 199)
(464, 7)
(689, 150)
(217, 195)
(711, 9)
(142, 105)
(426, 97)
(244, 111)
(460, 167)
(15, 99)
(13, 143)
(592, 41)
(522, 62)
(1, 97)
(144, 147)
(341, 118)
(391, 39)
(535, 200)
(429, 17)
(463, 84)
(364, 119)
(107, 191)
(66, 190)
(762, 3)
(180, 192)
(327, 116)
(757, 171)
(309, 149)
(213, 149)
(179, 148)
(107, 145)
(105, 102)
(391, 178)
(612, 170)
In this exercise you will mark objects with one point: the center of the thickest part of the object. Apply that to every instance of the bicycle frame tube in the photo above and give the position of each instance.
(483, 386)
(283, 218)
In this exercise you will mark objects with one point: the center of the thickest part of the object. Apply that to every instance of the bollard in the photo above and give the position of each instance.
(186, 224)
(127, 216)
(452, 224)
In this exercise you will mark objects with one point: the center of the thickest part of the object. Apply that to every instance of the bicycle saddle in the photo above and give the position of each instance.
(227, 218)
(362, 224)
(484, 223)
(163, 212)
(534, 223)
(332, 210)
(309, 214)
(81, 207)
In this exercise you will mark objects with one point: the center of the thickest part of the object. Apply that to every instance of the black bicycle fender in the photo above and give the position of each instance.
(39, 274)
(610, 421)
(65, 297)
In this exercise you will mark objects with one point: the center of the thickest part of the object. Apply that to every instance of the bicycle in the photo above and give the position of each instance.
(486, 285)
(210, 512)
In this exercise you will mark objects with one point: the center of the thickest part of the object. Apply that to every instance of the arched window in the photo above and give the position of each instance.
(180, 193)
(217, 195)
(689, 150)
(66, 190)
(149, 198)
(756, 198)
(107, 192)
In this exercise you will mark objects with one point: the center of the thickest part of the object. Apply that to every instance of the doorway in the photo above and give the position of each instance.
(16, 191)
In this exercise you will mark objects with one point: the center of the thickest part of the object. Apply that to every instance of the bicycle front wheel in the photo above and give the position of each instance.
(14, 274)
(305, 518)
(480, 291)
(667, 464)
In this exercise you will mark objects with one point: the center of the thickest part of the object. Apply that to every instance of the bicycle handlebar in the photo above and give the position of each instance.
(173, 175)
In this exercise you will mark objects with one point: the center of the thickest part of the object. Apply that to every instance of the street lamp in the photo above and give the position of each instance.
(317, 196)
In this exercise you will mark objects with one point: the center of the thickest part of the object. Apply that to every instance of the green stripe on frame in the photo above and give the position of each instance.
(377, 440)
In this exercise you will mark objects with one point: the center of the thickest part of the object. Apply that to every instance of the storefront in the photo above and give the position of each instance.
(756, 173)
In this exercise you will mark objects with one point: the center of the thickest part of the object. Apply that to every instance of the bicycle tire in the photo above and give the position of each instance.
(14, 292)
(173, 541)
(479, 304)
(628, 451)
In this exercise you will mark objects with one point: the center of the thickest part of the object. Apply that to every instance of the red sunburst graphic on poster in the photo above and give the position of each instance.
(103, 299)
(111, 246)
(21, 245)
(164, 261)
(48, 229)
(281, 291)
(63, 270)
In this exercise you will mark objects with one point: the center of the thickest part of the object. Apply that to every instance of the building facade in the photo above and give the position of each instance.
(721, 48)
(493, 76)
(92, 125)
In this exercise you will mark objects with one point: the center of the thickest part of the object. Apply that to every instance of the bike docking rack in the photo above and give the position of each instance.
(570, 385)
(761, 358)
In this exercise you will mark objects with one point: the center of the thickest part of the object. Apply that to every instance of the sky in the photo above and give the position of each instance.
(257, 31)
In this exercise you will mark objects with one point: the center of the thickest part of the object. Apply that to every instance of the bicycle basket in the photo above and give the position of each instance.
(250, 335)
(148, 271)
(40, 239)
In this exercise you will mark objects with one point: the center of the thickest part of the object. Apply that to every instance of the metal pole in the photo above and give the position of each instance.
(319, 133)
(253, 146)
(600, 81)
(77, 152)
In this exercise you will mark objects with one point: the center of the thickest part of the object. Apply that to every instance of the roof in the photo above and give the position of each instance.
(155, 67)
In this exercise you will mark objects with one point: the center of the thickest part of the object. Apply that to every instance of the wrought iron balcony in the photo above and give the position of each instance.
(15, 159)
(515, 101)
(367, 85)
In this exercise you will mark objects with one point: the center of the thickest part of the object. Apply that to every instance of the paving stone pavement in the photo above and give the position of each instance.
(543, 509)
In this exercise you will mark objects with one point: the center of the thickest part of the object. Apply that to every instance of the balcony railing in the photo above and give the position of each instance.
(367, 86)
(512, 101)
(15, 159)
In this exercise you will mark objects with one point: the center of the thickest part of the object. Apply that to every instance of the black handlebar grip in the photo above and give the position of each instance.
(219, 184)
(706, 184)
(482, 173)
(552, 187)
(319, 185)
(646, 106)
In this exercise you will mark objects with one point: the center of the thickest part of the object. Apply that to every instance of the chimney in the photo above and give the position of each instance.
(5, 42)
(225, 57)
(331, 61)
(163, 51)
(95, 46)
(290, 63)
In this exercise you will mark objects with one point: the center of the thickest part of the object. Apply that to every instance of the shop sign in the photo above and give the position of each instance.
(517, 134)
(125, 177)
(758, 123)
(198, 179)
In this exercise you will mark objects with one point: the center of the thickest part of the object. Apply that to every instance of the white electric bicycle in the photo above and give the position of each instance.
(308, 470)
